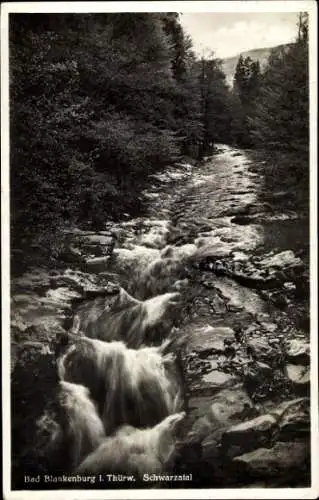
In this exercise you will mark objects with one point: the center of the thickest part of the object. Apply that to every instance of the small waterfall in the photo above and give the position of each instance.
(137, 387)
(161, 273)
(132, 321)
(134, 450)
(67, 436)
(84, 428)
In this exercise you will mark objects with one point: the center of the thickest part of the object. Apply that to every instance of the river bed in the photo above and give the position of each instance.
(217, 266)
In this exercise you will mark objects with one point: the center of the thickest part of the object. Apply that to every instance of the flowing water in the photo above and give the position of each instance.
(204, 274)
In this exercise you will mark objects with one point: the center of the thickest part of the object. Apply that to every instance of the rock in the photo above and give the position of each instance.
(18, 323)
(94, 291)
(257, 376)
(217, 380)
(218, 305)
(97, 264)
(101, 239)
(262, 317)
(269, 327)
(283, 459)
(109, 234)
(294, 419)
(211, 339)
(298, 374)
(77, 231)
(263, 367)
(249, 435)
(282, 259)
(200, 430)
(230, 405)
(259, 348)
(298, 351)
(289, 286)
(71, 255)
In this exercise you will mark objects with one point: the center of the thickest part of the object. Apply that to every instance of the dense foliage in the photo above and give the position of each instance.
(100, 101)
(215, 100)
(97, 103)
(273, 105)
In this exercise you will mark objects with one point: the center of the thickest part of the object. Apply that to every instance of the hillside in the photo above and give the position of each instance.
(229, 64)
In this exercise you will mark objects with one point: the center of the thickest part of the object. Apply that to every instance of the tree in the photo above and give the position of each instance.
(92, 106)
(215, 95)
(281, 114)
(188, 125)
(247, 81)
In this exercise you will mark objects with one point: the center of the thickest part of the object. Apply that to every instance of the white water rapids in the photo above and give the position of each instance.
(122, 388)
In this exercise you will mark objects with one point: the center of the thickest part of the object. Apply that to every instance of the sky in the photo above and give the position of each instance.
(228, 34)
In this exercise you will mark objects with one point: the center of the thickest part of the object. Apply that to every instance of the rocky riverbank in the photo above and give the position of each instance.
(243, 308)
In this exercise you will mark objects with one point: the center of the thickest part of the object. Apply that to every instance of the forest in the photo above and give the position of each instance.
(98, 102)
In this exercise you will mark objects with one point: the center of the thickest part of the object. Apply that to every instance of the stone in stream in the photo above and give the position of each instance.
(299, 375)
(281, 260)
(293, 419)
(259, 348)
(258, 371)
(97, 264)
(298, 351)
(230, 406)
(269, 327)
(211, 339)
(248, 436)
(215, 381)
(105, 240)
(280, 462)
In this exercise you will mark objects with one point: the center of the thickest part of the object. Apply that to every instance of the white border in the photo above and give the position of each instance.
(157, 6)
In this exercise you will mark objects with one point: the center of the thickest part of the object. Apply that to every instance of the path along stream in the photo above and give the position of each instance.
(223, 275)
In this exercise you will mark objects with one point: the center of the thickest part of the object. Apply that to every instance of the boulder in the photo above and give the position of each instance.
(283, 459)
(282, 259)
(93, 292)
(299, 375)
(211, 339)
(215, 381)
(256, 371)
(230, 406)
(294, 419)
(269, 327)
(298, 351)
(259, 348)
(248, 435)
(101, 239)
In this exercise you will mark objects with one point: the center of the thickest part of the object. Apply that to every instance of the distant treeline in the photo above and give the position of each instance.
(273, 105)
(100, 101)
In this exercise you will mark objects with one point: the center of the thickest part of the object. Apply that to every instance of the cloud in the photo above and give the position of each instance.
(248, 35)
(238, 36)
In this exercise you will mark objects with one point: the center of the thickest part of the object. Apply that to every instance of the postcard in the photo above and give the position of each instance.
(159, 250)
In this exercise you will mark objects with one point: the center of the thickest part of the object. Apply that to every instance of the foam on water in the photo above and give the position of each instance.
(129, 386)
(124, 318)
(135, 451)
(80, 431)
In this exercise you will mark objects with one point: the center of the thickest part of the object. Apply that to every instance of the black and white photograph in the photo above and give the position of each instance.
(159, 250)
